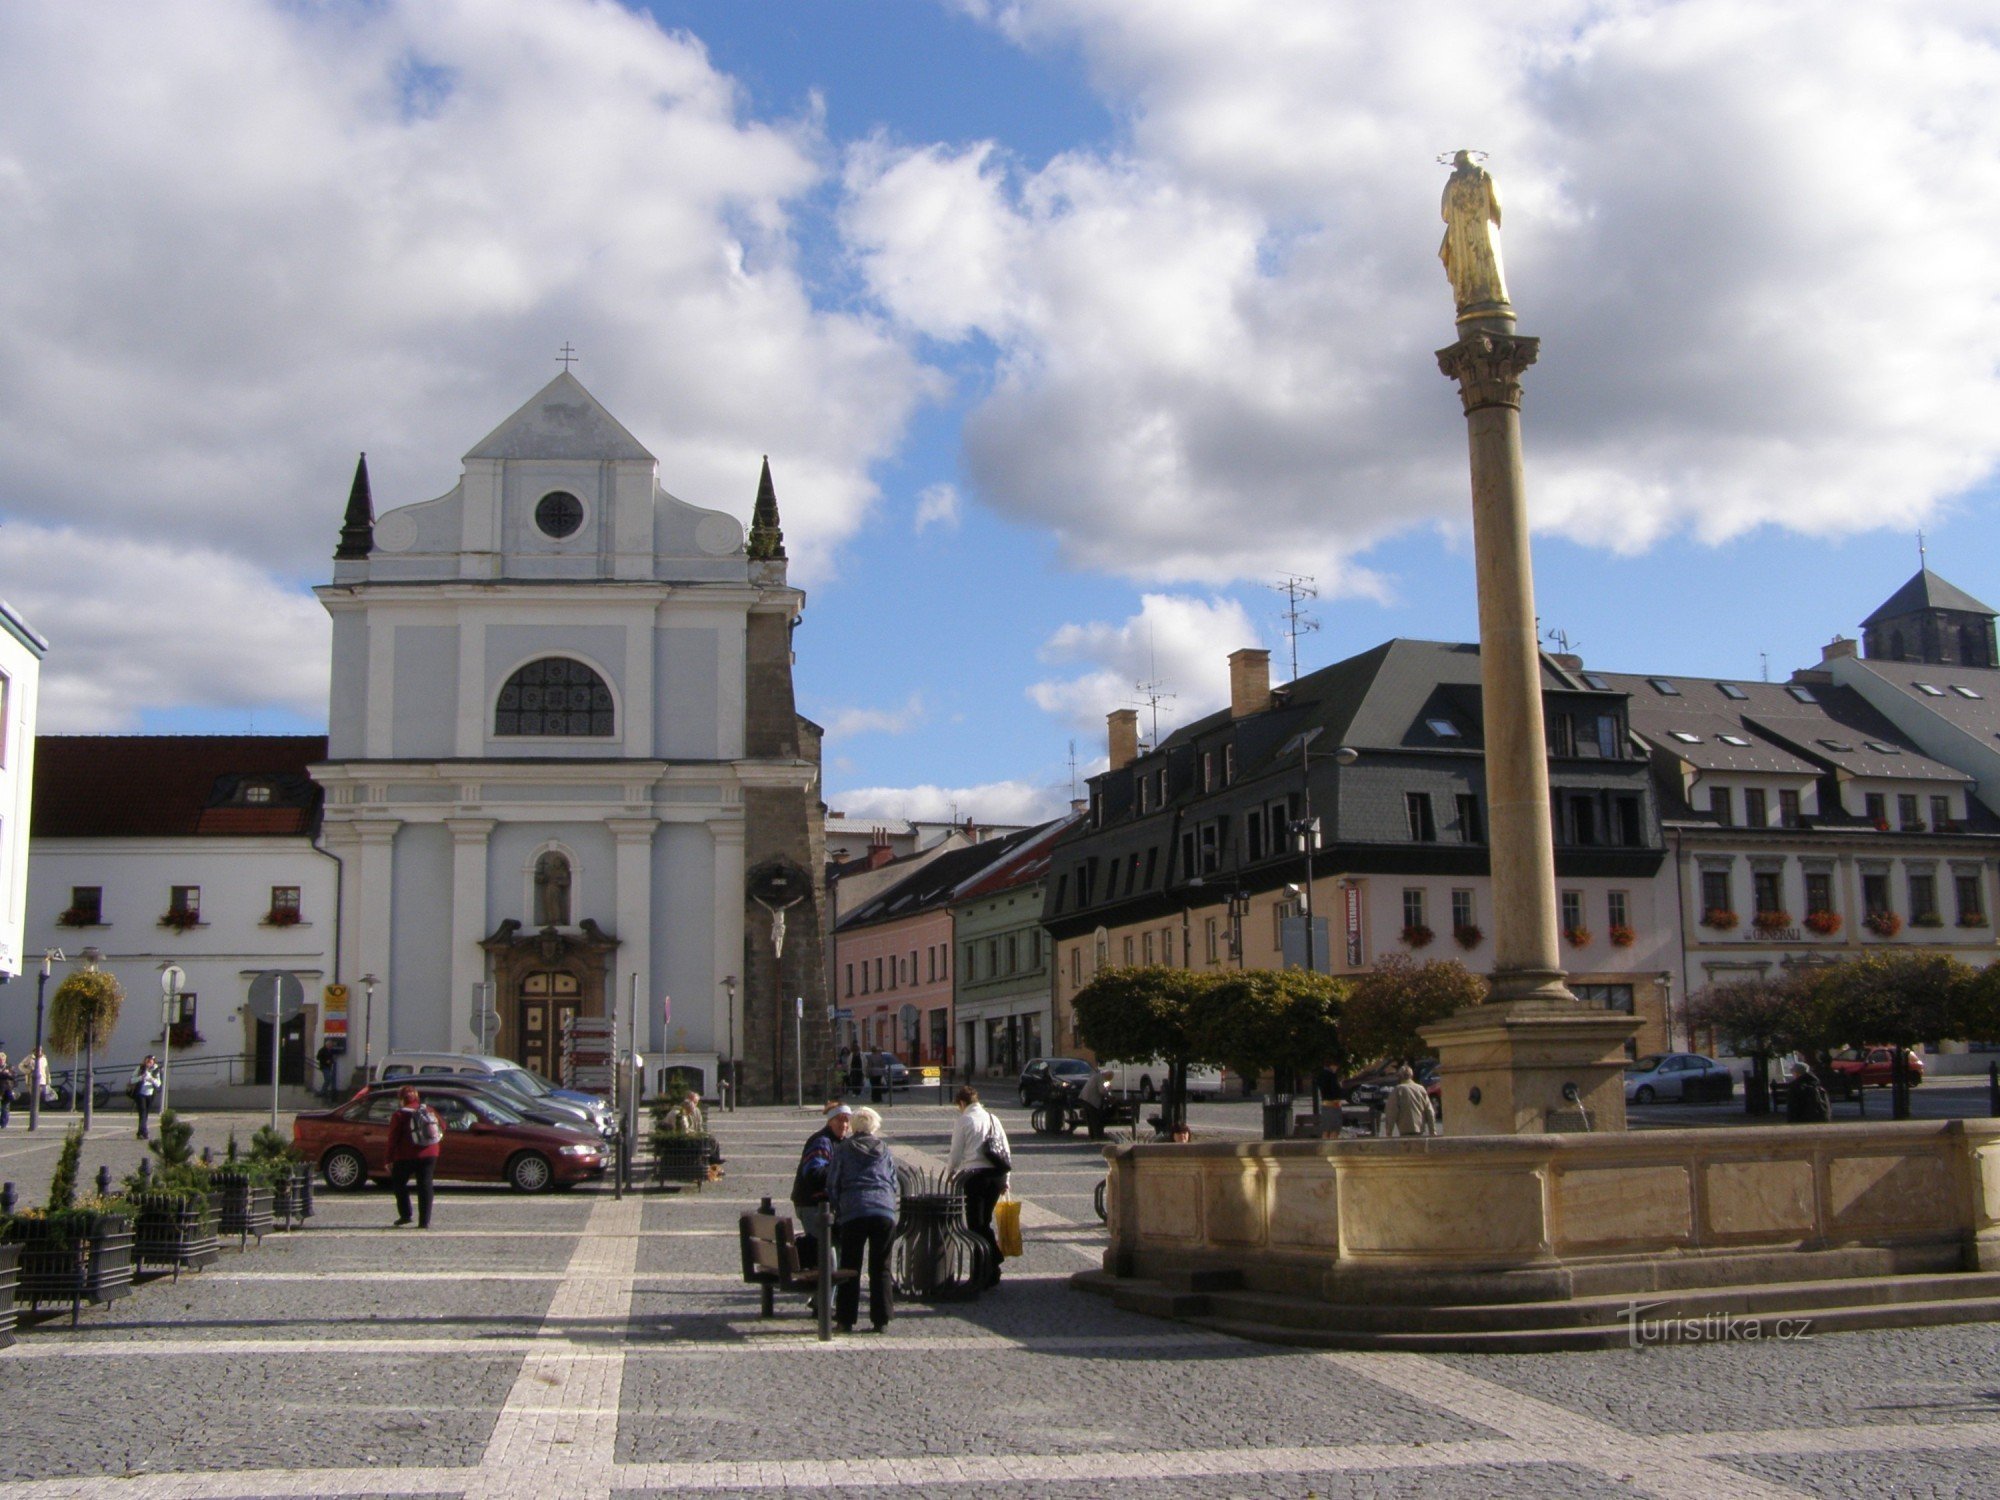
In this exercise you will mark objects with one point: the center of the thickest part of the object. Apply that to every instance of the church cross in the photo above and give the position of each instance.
(567, 355)
(1923, 555)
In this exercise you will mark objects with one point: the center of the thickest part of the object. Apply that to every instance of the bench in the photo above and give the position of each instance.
(770, 1252)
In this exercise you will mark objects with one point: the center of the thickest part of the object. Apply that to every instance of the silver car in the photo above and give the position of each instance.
(583, 1111)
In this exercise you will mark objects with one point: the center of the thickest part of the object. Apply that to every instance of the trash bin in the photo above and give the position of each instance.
(1277, 1116)
(936, 1257)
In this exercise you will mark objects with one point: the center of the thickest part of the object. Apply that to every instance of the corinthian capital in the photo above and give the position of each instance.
(1487, 367)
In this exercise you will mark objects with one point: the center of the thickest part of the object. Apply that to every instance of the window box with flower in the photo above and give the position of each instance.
(1883, 923)
(1468, 936)
(1825, 923)
(282, 916)
(1774, 920)
(180, 919)
(1721, 918)
(77, 916)
(1579, 937)
(1622, 936)
(1417, 935)
(1927, 919)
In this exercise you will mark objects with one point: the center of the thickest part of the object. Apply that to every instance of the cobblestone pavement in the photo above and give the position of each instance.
(580, 1346)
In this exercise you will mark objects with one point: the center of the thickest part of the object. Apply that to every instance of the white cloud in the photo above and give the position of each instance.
(134, 625)
(938, 505)
(238, 244)
(993, 802)
(845, 723)
(1176, 641)
(1756, 247)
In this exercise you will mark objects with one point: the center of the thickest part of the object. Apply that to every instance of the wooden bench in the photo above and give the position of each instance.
(770, 1251)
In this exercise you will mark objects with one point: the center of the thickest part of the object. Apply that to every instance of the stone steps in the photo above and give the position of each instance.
(1710, 1314)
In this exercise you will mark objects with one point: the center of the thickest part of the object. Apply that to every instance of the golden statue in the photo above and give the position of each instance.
(1471, 248)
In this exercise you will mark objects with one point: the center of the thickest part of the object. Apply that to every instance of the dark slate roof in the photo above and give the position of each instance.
(1954, 688)
(936, 883)
(135, 786)
(1928, 591)
(1836, 731)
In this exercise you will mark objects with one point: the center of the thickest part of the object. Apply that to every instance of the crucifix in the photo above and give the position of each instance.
(567, 355)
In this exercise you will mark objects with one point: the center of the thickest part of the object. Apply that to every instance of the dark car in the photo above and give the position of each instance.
(1373, 1087)
(484, 1141)
(1042, 1071)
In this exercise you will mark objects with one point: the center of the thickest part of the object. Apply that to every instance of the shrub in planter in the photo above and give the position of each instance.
(1883, 923)
(1721, 918)
(679, 1154)
(1417, 935)
(279, 1166)
(1622, 936)
(245, 1205)
(173, 1227)
(72, 1251)
(1468, 936)
(1825, 923)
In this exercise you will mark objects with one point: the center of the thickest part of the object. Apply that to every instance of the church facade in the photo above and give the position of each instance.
(565, 773)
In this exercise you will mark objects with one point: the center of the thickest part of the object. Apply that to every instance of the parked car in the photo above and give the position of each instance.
(1149, 1080)
(484, 1141)
(1041, 1071)
(885, 1067)
(1685, 1076)
(534, 1111)
(1871, 1068)
(586, 1108)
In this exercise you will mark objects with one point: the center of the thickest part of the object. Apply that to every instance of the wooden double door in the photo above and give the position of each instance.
(545, 999)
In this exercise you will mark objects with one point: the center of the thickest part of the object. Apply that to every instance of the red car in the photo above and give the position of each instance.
(484, 1141)
(1871, 1067)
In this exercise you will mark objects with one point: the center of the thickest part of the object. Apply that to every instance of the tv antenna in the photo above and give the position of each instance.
(1297, 588)
(1153, 694)
(1072, 770)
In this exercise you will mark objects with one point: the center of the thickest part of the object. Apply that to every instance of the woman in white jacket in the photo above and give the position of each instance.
(980, 1161)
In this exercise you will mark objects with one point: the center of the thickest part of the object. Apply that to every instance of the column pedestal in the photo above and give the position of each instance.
(1527, 1067)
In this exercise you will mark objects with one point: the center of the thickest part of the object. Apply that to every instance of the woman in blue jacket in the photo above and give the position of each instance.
(861, 1183)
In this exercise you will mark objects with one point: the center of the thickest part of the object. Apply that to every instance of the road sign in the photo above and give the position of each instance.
(284, 986)
(799, 1007)
(839, 1013)
(485, 1025)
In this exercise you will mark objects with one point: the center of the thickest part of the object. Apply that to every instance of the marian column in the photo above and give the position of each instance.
(1532, 1058)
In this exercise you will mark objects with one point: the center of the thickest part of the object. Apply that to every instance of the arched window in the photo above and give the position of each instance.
(554, 696)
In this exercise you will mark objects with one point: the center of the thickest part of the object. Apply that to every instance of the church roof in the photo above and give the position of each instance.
(1928, 591)
(561, 420)
(174, 785)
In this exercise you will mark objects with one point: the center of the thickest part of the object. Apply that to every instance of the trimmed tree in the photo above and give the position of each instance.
(83, 1013)
(1286, 1020)
(1898, 1000)
(1134, 1014)
(1388, 1007)
(1759, 1019)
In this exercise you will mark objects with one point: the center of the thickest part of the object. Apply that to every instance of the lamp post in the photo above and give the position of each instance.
(52, 956)
(729, 993)
(172, 977)
(1189, 891)
(1667, 1008)
(368, 983)
(91, 958)
(1238, 908)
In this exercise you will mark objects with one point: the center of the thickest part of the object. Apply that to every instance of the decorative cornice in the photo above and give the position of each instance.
(1487, 367)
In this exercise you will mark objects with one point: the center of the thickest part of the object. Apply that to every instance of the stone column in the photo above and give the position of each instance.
(1527, 959)
(468, 926)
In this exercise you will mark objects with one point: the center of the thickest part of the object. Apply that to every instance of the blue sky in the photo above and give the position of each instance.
(1069, 325)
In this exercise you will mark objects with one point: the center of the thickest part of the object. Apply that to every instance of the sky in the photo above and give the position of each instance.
(1071, 328)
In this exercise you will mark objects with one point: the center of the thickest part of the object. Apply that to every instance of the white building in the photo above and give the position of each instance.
(21, 652)
(563, 757)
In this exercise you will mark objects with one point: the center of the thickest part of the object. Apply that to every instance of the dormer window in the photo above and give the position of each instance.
(1881, 749)
(1444, 729)
(257, 792)
(1966, 692)
(555, 697)
(1592, 680)
(1684, 737)
(1928, 690)
(1734, 739)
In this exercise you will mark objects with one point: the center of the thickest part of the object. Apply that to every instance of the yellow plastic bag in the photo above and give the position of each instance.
(1007, 1226)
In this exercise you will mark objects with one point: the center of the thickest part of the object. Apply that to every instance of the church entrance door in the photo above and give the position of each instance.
(547, 998)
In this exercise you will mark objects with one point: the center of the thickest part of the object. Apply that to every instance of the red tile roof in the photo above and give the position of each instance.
(145, 785)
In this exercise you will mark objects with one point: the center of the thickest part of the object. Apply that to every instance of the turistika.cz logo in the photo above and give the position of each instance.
(1710, 1328)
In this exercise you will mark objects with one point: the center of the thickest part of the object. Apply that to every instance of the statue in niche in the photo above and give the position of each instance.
(552, 890)
(1471, 248)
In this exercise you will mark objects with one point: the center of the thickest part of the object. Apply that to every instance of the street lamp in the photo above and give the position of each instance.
(172, 977)
(1188, 893)
(40, 1064)
(368, 983)
(91, 958)
(1306, 830)
(729, 987)
(1238, 907)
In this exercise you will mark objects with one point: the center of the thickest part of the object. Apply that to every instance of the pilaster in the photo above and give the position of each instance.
(635, 920)
(374, 879)
(729, 951)
(468, 921)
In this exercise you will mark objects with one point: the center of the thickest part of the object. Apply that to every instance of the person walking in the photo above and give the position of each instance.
(416, 1137)
(327, 1060)
(1806, 1102)
(979, 1163)
(1410, 1108)
(861, 1184)
(1091, 1102)
(6, 1090)
(145, 1089)
(38, 1076)
(809, 1181)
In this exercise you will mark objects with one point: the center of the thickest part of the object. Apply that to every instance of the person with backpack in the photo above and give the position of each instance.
(980, 1161)
(416, 1136)
(1806, 1102)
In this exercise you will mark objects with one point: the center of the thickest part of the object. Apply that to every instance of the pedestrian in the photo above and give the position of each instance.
(809, 1181)
(327, 1060)
(1180, 1135)
(145, 1089)
(1806, 1102)
(1091, 1102)
(979, 1163)
(416, 1136)
(685, 1118)
(861, 1184)
(1410, 1109)
(38, 1075)
(6, 1090)
(857, 1071)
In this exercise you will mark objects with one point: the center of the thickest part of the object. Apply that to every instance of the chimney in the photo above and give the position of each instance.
(879, 850)
(1122, 726)
(1836, 648)
(1078, 806)
(1249, 682)
(1569, 661)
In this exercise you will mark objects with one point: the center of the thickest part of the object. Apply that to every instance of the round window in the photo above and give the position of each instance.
(559, 513)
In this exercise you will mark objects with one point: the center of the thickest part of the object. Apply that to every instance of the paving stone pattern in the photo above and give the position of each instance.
(578, 1346)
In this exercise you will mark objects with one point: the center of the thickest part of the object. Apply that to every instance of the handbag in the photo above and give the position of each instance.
(994, 1148)
(1007, 1226)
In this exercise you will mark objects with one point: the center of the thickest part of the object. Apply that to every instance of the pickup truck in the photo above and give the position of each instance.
(1870, 1068)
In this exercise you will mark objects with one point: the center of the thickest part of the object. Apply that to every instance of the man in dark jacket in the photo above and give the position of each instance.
(861, 1184)
(1805, 1098)
(809, 1182)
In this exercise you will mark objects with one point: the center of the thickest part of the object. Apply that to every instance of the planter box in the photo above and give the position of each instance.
(174, 1233)
(293, 1198)
(245, 1207)
(10, 1272)
(96, 1268)
(681, 1158)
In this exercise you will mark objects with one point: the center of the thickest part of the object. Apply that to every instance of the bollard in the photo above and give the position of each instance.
(1993, 1089)
(7, 1200)
(103, 1182)
(145, 1172)
(1861, 1101)
(823, 1232)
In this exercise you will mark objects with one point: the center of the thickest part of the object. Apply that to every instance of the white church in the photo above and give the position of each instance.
(563, 769)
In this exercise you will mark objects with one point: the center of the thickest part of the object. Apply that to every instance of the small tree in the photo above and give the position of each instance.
(69, 1161)
(1896, 999)
(83, 1013)
(1287, 1020)
(1134, 1014)
(1758, 1018)
(1390, 1005)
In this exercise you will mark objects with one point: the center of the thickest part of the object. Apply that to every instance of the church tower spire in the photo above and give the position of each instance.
(357, 532)
(767, 538)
